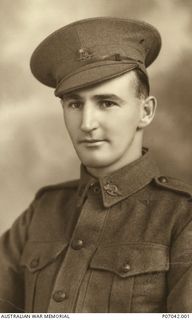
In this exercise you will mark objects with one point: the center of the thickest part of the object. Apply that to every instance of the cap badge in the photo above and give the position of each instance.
(85, 54)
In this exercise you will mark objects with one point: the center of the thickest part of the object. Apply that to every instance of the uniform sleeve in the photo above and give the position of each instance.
(11, 277)
(180, 274)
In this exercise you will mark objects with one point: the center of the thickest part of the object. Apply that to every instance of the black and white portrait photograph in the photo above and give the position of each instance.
(96, 156)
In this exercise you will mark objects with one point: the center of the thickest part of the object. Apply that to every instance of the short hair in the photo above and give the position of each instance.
(142, 84)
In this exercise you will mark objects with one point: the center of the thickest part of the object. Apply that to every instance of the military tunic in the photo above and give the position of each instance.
(122, 243)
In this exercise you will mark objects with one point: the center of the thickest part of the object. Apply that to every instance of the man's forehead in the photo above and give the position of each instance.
(79, 96)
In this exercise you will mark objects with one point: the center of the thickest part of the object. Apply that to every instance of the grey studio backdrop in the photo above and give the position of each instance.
(34, 147)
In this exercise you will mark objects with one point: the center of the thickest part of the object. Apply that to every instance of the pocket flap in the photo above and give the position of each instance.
(37, 255)
(131, 259)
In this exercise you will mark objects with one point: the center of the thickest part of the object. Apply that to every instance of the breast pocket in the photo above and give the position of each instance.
(128, 278)
(40, 262)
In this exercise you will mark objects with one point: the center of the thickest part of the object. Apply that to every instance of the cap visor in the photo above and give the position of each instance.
(92, 74)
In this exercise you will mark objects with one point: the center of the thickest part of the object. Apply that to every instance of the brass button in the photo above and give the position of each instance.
(34, 263)
(163, 179)
(126, 268)
(59, 296)
(95, 187)
(77, 244)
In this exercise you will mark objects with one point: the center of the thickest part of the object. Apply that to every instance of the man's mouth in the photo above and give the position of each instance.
(92, 142)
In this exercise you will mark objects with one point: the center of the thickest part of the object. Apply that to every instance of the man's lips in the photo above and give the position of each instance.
(91, 141)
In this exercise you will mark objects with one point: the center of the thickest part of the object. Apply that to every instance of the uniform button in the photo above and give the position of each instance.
(34, 263)
(77, 244)
(126, 268)
(95, 187)
(59, 296)
(163, 179)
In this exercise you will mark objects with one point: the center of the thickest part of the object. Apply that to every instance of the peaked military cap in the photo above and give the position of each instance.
(90, 51)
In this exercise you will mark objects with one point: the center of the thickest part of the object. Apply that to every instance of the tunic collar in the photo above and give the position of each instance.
(120, 184)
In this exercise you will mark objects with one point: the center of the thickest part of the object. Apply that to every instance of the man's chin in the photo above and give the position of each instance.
(92, 162)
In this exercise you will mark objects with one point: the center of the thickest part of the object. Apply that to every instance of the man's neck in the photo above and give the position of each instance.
(99, 172)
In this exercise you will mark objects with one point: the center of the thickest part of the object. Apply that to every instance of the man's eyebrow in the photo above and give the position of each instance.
(76, 96)
(69, 96)
(108, 97)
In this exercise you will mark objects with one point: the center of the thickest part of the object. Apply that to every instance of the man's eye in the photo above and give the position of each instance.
(75, 105)
(108, 104)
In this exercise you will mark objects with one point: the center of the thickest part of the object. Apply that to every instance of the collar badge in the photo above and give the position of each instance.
(112, 190)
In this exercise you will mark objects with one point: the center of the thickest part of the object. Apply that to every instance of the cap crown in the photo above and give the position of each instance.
(111, 44)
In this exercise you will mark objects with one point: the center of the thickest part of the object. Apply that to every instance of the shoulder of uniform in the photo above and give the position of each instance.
(73, 184)
(175, 184)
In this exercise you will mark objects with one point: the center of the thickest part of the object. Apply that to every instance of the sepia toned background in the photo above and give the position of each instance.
(34, 147)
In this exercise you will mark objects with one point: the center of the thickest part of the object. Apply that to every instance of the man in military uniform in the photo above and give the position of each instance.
(120, 238)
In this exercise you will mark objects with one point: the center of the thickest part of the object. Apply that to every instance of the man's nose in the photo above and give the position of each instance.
(89, 120)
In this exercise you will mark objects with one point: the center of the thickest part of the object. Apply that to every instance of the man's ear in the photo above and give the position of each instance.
(148, 111)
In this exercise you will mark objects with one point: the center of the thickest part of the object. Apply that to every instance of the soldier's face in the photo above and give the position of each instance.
(103, 121)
